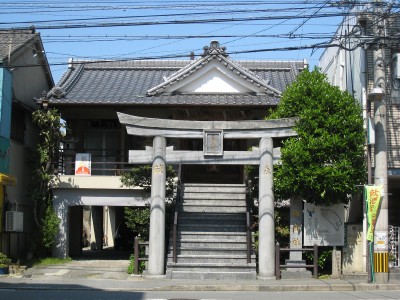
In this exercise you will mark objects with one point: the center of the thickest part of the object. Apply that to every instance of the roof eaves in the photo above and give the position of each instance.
(67, 82)
(250, 76)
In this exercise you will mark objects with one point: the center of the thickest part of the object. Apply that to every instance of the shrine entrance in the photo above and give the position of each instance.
(211, 157)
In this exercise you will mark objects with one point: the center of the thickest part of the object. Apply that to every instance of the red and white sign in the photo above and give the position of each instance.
(83, 162)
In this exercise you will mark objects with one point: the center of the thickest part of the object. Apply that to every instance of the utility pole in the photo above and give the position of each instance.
(381, 245)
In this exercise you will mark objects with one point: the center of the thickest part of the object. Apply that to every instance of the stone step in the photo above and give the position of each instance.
(206, 188)
(220, 216)
(216, 236)
(208, 275)
(212, 228)
(213, 208)
(210, 196)
(214, 202)
(209, 251)
(211, 238)
(191, 259)
(211, 266)
(202, 244)
(208, 221)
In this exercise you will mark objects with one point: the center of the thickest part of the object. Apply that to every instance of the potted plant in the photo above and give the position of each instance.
(4, 263)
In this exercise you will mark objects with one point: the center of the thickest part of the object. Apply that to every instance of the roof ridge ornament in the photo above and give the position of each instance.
(214, 49)
(57, 92)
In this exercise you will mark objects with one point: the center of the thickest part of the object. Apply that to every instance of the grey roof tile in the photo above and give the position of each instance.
(127, 82)
(14, 38)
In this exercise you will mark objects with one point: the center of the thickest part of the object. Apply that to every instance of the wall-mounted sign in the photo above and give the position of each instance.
(381, 241)
(323, 225)
(213, 142)
(83, 163)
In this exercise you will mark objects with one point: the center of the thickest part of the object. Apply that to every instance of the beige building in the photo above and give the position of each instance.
(22, 55)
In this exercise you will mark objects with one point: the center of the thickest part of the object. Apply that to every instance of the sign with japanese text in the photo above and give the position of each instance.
(373, 195)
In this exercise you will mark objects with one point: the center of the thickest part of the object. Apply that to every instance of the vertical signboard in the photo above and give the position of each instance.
(83, 164)
(373, 197)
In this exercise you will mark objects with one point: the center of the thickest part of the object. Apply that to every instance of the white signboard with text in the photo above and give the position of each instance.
(323, 225)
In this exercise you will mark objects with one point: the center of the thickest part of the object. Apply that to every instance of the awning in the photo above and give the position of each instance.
(7, 179)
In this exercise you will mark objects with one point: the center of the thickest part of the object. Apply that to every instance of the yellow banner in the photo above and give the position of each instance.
(373, 199)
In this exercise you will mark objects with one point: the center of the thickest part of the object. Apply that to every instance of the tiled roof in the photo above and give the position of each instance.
(127, 82)
(215, 52)
(15, 38)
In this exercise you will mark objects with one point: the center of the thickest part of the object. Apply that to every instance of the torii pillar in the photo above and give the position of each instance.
(266, 242)
(157, 209)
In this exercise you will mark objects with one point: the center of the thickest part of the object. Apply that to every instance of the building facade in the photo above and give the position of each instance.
(351, 66)
(212, 88)
(25, 75)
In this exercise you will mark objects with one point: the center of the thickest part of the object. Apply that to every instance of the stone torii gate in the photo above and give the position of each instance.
(213, 134)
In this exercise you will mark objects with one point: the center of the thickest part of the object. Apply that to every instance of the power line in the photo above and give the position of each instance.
(176, 22)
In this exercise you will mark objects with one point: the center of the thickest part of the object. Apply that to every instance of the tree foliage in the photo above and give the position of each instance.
(138, 218)
(325, 162)
(50, 226)
(50, 133)
(141, 176)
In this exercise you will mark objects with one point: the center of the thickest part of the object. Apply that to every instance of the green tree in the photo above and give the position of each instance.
(51, 130)
(138, 218)
(325, 162)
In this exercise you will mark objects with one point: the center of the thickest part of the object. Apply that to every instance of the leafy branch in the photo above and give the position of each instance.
(50, 129)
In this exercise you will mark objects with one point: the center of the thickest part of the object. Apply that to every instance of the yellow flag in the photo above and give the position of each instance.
(373, 199)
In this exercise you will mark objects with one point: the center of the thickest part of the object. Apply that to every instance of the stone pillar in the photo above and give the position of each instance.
(296, 242)
(336, 263)
(157, 209)
(296, 228)
(266, 250)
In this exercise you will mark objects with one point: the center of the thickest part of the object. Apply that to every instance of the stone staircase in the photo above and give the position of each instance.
(211, 234)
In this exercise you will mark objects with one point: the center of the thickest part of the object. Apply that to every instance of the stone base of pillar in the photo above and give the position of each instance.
(261, 277)
(145, 274)
(293, 273)
(381, 277)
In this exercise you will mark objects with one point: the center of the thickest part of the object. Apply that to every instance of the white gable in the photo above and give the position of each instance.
(214, 78)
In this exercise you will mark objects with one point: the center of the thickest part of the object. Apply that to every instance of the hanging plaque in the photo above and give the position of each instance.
(213, 142)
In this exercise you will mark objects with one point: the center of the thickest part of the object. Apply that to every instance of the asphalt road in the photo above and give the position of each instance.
(95, 294)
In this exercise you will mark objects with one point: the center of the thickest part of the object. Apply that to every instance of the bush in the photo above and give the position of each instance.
(4, 260)
(50, 226)
(131, 266)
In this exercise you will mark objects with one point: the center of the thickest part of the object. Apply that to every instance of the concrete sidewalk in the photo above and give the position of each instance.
(112, 275)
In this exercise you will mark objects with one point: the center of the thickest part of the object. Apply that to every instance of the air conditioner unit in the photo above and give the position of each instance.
(14, 221)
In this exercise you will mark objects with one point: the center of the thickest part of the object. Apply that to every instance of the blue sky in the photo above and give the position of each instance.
(116, 29)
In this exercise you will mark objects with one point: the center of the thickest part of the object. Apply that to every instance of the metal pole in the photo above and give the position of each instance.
(136, 256)
(380, 174)
(315, 261)
(277, 261)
